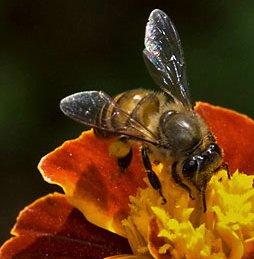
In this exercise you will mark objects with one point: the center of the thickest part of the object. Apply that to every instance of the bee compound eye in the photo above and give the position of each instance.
(190, 167)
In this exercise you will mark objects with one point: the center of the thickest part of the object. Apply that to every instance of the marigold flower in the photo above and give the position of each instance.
(99, 202)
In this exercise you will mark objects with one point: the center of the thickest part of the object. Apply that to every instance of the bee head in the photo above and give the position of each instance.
(207, 161)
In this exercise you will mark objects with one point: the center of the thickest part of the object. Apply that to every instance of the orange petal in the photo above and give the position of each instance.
(156, 242)
(51, 228)
(249, 249)
(234, 133)
(90, 178)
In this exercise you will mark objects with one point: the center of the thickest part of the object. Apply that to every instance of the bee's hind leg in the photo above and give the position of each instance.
(153, 178)
(124, 162)
(122, 150)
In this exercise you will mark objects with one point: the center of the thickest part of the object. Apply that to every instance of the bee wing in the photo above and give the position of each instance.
(164, 57)
(97, 110)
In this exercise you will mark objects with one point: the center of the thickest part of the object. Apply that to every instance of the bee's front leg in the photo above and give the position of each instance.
(225, 166)
(153, 178)
(177, 179)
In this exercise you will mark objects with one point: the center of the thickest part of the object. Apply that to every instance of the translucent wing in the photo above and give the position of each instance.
(164, 57)
(97, 110)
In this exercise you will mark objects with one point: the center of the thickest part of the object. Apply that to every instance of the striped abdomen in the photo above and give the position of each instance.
(138, 104)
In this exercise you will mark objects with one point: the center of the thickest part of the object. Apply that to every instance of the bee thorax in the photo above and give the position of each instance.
(180, 132)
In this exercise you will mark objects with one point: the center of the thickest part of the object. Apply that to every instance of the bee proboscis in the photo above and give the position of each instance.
(164, 123)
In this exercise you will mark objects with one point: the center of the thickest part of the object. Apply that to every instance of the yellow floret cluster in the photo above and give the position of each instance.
(180, 229)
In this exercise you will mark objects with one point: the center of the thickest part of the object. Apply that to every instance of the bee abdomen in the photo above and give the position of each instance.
(138, 104)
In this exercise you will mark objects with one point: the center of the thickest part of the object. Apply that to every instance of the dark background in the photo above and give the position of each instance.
(52, 48)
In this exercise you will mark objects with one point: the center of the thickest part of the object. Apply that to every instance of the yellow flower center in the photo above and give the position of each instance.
(180, 229)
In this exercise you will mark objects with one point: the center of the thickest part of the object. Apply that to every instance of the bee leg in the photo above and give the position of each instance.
(121, 149)
(124, 162)
(177, 179)
(204, 200)
(224, 165)
(153, 178)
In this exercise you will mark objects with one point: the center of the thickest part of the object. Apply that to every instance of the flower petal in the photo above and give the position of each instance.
(51, 228)
(156, 242)
(91, 179)
(234, 133)
(249, 249)
(129, 257)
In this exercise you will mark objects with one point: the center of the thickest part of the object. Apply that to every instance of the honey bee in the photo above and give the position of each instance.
(165, 123)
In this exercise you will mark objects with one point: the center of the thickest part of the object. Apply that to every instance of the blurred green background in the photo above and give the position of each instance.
(52, 48)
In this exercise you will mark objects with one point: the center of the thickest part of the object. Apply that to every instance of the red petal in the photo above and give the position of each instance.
(156, 242)
(249, 250)
(234, 133)
(90, 178)
(51, 228)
